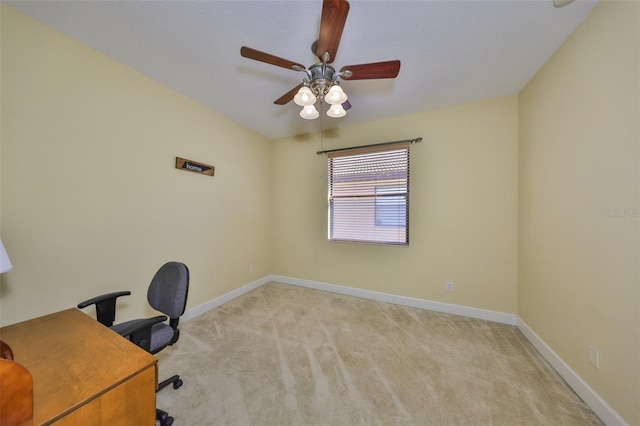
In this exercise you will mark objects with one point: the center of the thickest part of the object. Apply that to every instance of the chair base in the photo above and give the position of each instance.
(164, 417)
(175, 380)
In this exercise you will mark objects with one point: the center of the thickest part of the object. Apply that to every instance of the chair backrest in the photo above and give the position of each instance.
(169, 288)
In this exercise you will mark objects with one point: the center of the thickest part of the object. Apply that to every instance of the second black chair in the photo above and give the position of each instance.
(167, 293)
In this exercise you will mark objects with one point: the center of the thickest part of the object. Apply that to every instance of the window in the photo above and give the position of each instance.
(369, 195)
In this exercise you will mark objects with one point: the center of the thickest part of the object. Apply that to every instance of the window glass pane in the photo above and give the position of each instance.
(391, 206)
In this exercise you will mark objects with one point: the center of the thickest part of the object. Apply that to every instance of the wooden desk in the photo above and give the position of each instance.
(83, 373)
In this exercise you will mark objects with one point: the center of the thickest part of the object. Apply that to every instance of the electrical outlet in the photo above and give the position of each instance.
(449, 286)
(594, 356)
(251, 269)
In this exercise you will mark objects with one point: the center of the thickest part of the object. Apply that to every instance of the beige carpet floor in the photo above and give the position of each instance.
(285, 355)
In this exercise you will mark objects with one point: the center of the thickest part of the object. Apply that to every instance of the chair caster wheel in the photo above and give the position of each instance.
(164, 418)
(177, 384)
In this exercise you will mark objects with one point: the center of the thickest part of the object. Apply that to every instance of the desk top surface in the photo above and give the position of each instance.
(73, 359)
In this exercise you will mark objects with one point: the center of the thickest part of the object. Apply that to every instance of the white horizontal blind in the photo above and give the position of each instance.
(369, 195)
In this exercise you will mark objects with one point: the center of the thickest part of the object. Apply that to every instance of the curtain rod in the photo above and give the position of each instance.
(415, 140)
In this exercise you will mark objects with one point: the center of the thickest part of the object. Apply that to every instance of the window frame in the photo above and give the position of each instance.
(360, 199)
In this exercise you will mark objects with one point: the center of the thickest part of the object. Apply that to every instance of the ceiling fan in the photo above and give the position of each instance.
(322, 80)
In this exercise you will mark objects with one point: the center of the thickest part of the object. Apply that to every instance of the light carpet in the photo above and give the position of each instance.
(286, 355)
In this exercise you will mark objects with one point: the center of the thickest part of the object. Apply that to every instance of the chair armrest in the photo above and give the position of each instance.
(99, 299)
(105, 306)
(139, 332)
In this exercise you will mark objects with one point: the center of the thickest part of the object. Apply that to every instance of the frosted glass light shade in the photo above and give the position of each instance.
(336, 111)
(304, 97)
(335, 95)
(5, 263)
(309, 112)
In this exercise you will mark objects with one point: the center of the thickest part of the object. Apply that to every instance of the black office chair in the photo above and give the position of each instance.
(168, 294)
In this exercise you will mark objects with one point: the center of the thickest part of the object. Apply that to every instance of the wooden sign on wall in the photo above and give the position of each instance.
(193, 166)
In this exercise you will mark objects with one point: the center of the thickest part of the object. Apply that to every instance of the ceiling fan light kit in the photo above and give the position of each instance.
(321, 83)
(309, 112)
(336, 111)
(304, 97)
(336, 95)
(322, 80)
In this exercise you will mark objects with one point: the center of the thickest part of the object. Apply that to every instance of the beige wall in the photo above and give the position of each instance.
(463, 209)
(579, 200)
(91, 201)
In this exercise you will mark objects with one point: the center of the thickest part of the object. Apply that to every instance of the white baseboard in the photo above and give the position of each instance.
(588, 395)
(447, 308)
(227, 297)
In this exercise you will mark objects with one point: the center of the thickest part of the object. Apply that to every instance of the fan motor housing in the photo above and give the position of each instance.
(321, 78)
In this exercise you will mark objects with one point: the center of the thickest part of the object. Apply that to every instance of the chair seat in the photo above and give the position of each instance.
(161, 334)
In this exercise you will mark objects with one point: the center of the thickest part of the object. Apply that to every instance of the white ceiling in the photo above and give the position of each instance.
(452, 51)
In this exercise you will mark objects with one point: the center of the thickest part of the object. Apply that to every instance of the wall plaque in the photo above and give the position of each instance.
(193, 166)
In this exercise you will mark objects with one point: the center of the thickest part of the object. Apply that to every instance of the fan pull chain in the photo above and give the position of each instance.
(321, 132)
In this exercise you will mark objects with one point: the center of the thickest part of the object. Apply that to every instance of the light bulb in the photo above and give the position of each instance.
(309, 112)
(304, 97)
(335, 95)
(336, 111)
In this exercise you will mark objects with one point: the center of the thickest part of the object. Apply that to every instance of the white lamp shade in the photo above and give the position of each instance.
(336, 111)
(309, 112)
(304, 97)
(5, 263)
(335, 95)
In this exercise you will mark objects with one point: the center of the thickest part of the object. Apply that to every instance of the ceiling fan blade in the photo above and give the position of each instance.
(346, 105)
(334, 16)
(388, 69)
(257, 55)
(287, 97)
